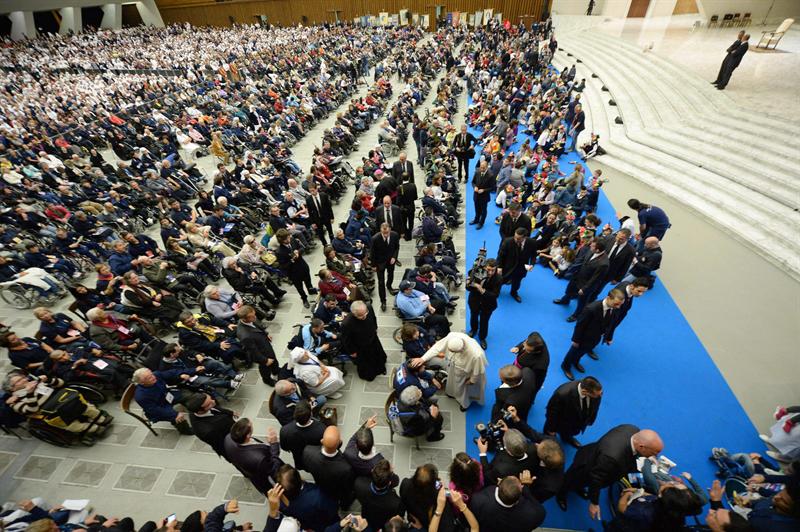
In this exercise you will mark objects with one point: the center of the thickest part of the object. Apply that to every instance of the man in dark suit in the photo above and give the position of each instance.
(377, 496)
(360, 451)
(258, 462)
(631, 290)
(573, 407)
(257, 343)
(403, 169)
(320, 212)
(733, 57)
(385, 186)
(210, 423)
(593, 324)
(482, 300)
(543, 457)
(483, 182)
(464, 149)
(600, 464)
(620, 256)
(289, 392)
(513, 220)
(390, 214)
(406, 196)
(330, 469)
(588, 280)
(383, 252)
(515, 259)
(517, 388)
(508, 506)
(304, 431)
(305, 501)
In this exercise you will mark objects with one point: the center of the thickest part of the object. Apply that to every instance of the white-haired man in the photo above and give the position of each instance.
(418, 415)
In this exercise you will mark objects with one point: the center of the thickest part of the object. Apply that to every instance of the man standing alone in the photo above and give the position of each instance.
(735, 52)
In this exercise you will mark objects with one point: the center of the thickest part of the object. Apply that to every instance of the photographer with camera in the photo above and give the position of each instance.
(484, 285)
(540, 455)
(518, 388)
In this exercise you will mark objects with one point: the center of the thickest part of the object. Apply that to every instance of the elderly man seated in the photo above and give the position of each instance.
(215, 373)
(157, 392)
(405, 376)
(288, 392)
(319, 378)
(414, 304)
(116, 332)
(201, 333)
(418, 415)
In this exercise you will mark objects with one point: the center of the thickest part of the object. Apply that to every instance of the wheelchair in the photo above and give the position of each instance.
(22, 296)
(390, 148)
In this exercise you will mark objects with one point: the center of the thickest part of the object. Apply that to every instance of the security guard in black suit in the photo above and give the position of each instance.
(482, 300)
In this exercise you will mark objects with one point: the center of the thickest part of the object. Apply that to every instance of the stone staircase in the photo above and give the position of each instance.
(684, 138)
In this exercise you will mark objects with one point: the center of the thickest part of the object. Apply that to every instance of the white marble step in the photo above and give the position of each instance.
(753, 223)
(722, 103)
(639, 109)
(677, 105)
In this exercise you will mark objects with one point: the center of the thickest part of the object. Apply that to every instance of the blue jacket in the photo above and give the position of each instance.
(153, 399)
(120, 263)
(412, 306)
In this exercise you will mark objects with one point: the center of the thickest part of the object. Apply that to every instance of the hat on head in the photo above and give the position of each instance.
(405, 285)
(455, 344)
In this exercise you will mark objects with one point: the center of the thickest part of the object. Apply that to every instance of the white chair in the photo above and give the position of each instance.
(775, 36)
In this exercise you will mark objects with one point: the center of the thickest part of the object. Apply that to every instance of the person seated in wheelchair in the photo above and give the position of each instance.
(27, 354)
(346, 246)
(203, 333)
(60, 267)
(668, 508)
(428, 283)
(257, 283)
(53, 402)
(183, 256)
(330, 313)
(316, 339)
(416, 340)
(16, 272)
(117, 333)
(170, 276)
(344, 290)
(413, 304)
(158, 392)
(91, 366)
(278, 220)
(443, 264)
(348, 266)
(88, 298)
(140, 244)
(320, 379)
(406, 375)
(439, 208)
(149, 302)
(215, 374)
(60, 331)
(418, 415)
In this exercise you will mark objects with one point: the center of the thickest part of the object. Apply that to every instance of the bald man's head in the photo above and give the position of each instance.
(331, 439)
(647, 443)
(651, 242)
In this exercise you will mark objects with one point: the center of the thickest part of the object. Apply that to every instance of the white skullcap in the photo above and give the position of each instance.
(455, 344)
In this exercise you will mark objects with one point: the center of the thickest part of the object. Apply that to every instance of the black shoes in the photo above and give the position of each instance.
(579, 368)
(435, 437)
(516, 298)
(572, 319)
(593, 355)
(483, 344)
(313, 291)
(567, 373)
(383, 306)
(392, 291)
(473, 222)
(462, 408)
(471, 333)
(560, 301)
(306, 304)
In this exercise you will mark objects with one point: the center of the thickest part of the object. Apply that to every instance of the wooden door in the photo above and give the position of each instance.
(638, 8)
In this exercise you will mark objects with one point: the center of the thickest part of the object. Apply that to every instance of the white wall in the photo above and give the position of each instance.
(757, 8)
(661, 8)
(576, 7)
(616, 8)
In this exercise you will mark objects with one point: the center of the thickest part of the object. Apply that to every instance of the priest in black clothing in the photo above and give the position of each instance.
(508, 506)
(359, 333)
(210, 423)
(330, 469)
(377, 496)
(302, 432)
(572, 408)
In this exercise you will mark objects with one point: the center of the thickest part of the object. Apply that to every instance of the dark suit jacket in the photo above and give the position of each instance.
(325, 212)
(295, 439)
(214, 428)
(313, 508)
(521, 396)
(486, 182)
(622, 311)
(503, 465)
(407, 195)
(397, 218)
(334, 476)
(592, 273)
(512, 259)
(380, 252)
(386, 187)
(602, 463)
(564, 413)
(398, 170)
(377, 507)
(258, 462)
(592, 325)
(618, 264)
(524, 516)
(284, 406)
(508, 225)
(462, 145)
(488, 300)
(361, 467)
(255, 342)
(737, 54)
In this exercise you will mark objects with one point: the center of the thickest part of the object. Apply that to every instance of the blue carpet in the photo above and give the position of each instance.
(657, 374)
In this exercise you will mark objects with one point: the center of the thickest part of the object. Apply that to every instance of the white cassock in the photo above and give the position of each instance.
(466, 368)
(310, 372)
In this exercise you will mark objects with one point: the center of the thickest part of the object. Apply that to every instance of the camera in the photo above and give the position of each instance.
(478, 272)
(492, 433)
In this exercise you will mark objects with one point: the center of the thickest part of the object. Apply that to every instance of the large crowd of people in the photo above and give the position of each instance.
(161, 98)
